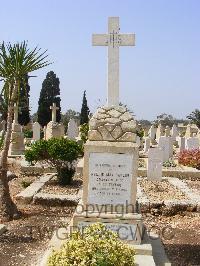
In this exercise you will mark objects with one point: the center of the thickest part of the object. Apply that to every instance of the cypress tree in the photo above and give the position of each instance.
(50, 93)
(24, 112)
(84, 116)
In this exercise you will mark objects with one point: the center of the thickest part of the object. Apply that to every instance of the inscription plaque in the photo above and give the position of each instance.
(124, 231)
(110, 178)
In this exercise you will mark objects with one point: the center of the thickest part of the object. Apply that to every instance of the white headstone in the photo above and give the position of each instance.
(166, 144)
(181, 143)
(147, 143)
(174, 132)
(188, 132)
(72, 130)
(54, 109)
(113, 39)
(167, 131)
(138, 141)
(152, 132)
(154, 164)
(36, 131)
(192, 143)
(159, 132)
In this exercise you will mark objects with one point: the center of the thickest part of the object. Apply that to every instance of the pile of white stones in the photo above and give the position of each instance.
(113, 123)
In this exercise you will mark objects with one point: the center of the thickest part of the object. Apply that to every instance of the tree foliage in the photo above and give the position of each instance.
(194, 117)
(24, 112)
(15, 62)
(84, 116)
(50, 93)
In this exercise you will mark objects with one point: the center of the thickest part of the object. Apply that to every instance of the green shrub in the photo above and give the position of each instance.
(169, 163)
(26, 183)
(84, 128)
(96, 246)
(58, 153)
(28, 133)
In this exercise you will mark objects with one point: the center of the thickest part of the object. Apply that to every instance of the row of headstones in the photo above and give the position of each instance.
(156, 133)
(166, 144)
(72, 130)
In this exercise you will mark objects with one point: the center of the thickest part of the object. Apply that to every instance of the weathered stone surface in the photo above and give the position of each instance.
(129, 126)
(113, 120)
(126, 117)
(109, 127)
(101, 116)
(121, 109)
(128, 136)
(105, 134)
(114, 113)
(107, 108)
(117, 132)
(94, 135)
(93, 124)
(54, 130)
(101, 110)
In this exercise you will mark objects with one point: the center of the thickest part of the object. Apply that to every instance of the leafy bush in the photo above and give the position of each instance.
(190, 158)
(58, 153)
(169, 163)
(28, 133)
(25, 183)
(84, 128)
(96, 246)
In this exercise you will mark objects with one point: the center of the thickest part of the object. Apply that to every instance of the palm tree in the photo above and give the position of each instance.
(15, 61)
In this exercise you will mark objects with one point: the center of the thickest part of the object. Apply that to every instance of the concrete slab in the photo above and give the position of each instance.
(27, 195)
(74, 199)
(144, 260)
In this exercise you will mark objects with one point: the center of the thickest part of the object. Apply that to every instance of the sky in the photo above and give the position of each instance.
(160, 74)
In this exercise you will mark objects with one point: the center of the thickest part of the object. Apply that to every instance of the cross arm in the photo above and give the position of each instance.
(127, 39)
(99, 39)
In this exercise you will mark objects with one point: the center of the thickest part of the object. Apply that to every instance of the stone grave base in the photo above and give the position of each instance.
(128, 226)
(148, 253)
(17, 146)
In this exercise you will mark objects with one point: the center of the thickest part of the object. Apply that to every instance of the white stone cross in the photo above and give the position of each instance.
(113, 39)
(16, 113)
(54, 109)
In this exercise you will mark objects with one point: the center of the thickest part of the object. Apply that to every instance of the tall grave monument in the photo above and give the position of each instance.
(54, 129)
(17, 146)
(111, 154)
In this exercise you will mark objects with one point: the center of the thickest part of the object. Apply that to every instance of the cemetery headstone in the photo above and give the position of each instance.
(166, 144)
(188, 132)
(167, 131)
(192, 143)
(72, 130)
(17, 146)
(54, 129)
(152, 132)
(111, 153)
(147, 143)
(159, 132)
(174, 132)
(36, 131)
(154, 164)
(181, 143)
